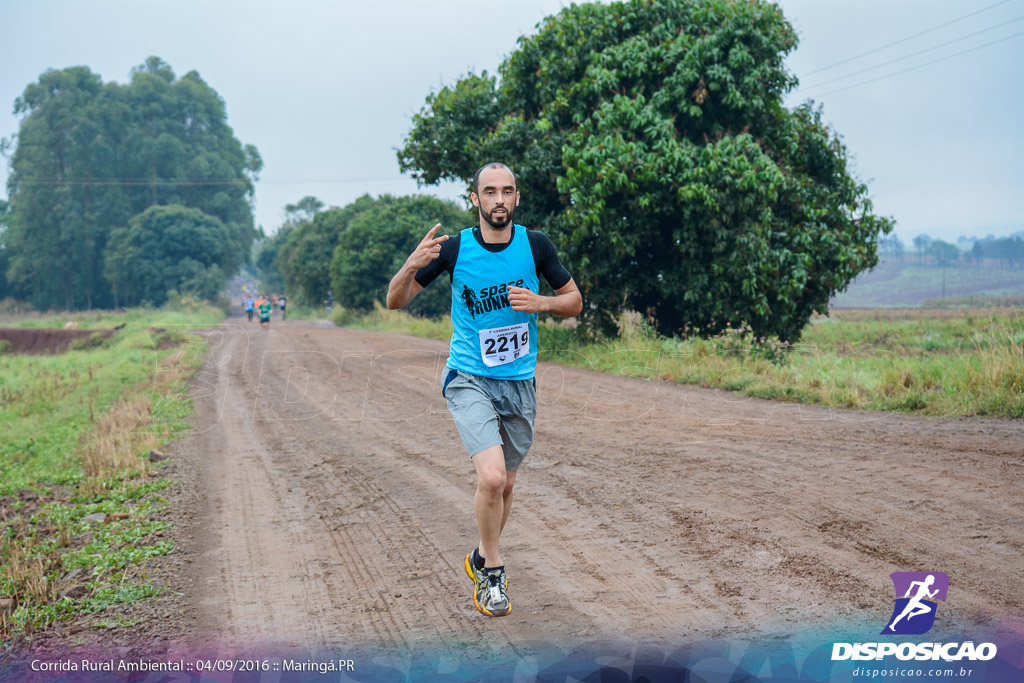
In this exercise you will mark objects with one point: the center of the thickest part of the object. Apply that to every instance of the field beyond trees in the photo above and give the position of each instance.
(896, 283)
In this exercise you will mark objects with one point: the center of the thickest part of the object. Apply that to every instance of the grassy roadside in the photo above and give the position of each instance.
(80, 499)
(296, 312)
(396, 322)
(948, 362)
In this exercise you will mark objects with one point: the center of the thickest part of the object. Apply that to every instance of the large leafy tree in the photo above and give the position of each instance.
(943, 252)
(650, 140)
(91, 155)
(266, 260)
(165, 248)
(379, 239)
(181, 150)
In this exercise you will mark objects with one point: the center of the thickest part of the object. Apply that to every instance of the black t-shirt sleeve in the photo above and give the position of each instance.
(546, 258)
(446, 261)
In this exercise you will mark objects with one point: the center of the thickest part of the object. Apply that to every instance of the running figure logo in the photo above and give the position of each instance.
(469, 298)
(914, 612)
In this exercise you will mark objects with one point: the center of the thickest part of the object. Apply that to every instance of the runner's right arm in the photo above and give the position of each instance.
(403, 287)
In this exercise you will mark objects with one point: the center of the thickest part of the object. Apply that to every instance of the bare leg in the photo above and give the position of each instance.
(510, 480)
(490, 501)
(902, 614)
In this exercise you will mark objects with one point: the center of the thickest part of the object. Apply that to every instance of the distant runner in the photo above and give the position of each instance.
(281, 301)
(489, 383)
(265, 313)
(249, 305)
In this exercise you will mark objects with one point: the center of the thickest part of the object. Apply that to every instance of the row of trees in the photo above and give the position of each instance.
(353, 251)
(119, 193)
(1003, 251)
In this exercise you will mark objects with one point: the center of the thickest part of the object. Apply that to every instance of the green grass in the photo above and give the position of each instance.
(950, 362)
(396, 322)
(47, 402)
(295, 312)
(65, 456)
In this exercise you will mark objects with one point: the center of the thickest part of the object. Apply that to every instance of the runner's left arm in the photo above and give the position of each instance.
(567, 301)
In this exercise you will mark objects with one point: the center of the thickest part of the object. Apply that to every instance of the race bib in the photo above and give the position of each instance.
(502, 345)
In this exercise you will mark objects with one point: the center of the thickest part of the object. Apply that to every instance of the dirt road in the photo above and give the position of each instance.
(332, 504)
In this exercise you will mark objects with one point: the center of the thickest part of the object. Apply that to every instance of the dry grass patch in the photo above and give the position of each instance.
(118, 438)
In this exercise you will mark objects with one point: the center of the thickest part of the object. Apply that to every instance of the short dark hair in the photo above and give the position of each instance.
(492, 164)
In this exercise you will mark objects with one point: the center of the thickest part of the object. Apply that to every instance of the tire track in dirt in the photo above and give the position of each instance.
(244, 507)
(356, 563)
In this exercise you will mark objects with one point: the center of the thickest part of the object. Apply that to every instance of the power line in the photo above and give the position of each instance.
(913, 54)
(162, 182)
(141, 182)
(903, 40)
(920, 66)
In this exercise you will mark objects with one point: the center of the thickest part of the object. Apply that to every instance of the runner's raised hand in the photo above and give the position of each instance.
(429, 249)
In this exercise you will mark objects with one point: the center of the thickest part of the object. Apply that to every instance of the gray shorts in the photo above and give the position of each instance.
(492, 412)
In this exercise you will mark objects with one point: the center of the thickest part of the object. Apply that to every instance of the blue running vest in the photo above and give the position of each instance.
(490, 339)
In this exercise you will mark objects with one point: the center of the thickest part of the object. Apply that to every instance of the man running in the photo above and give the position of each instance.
(249, 306)
(281, 301)
(265, 307)
(489, 380)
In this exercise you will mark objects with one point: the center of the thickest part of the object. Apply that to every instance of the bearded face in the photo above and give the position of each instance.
(496, 197)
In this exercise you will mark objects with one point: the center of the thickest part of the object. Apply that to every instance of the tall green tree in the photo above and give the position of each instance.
(977, 252)
(181, 150)
(921, 243)
(379, 239)
(60, 206)
(6, 289)
(650, 139)
(266, 260)
(944, 253)
(303, 210)
(165, 248)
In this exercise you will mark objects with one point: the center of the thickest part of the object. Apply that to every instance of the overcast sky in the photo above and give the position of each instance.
(326, 90)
